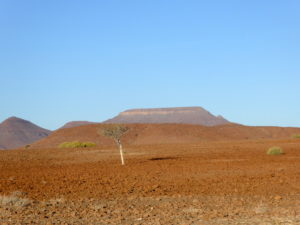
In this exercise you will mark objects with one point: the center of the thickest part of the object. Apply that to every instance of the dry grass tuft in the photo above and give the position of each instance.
(14, 200)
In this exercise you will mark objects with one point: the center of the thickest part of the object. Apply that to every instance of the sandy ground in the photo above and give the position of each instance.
(232, 182)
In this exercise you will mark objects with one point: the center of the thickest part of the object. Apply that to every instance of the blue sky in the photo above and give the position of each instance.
(88, 60)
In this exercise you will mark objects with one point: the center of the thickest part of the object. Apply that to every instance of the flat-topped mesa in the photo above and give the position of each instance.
(161, 111)
(182, 115)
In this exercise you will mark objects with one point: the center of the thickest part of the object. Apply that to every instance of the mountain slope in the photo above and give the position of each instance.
(16, 132)
(182, 115)
(144, 134)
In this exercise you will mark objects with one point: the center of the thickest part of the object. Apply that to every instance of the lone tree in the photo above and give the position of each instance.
(116, 132)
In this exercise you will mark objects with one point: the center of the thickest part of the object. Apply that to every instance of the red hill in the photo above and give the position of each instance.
(140, 134)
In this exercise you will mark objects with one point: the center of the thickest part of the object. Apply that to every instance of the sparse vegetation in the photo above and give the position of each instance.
(275, 151)
(296, 136)
(77, 144)
(115, 132)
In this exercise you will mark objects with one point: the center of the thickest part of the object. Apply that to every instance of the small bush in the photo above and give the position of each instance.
(296, 136)
(88, 144)
(65, 145)
(275, 151)
(77, 144)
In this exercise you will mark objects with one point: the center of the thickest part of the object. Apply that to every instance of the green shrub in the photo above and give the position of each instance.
(66, 145)
(275, 151)
(77, 144)
(88, 144)
(296, 136)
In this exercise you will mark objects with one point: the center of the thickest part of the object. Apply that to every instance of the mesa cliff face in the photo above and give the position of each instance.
(182, 115)
(16, 132)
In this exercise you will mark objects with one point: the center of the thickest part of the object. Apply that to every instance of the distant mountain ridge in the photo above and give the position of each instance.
(16, 132)
(76, 124)
(182, 115)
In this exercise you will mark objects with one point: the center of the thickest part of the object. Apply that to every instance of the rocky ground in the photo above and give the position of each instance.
(160, 210)
(209, 183)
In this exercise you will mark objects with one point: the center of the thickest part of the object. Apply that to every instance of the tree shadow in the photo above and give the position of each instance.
(162, 158)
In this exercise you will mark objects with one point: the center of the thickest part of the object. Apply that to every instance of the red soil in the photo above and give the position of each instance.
(213, 182)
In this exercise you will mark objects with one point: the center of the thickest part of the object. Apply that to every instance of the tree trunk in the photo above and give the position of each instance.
(121, 153)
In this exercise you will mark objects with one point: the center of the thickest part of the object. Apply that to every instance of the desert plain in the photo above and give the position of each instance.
(210, 182)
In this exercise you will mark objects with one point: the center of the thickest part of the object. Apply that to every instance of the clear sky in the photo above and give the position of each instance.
(70, 60)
